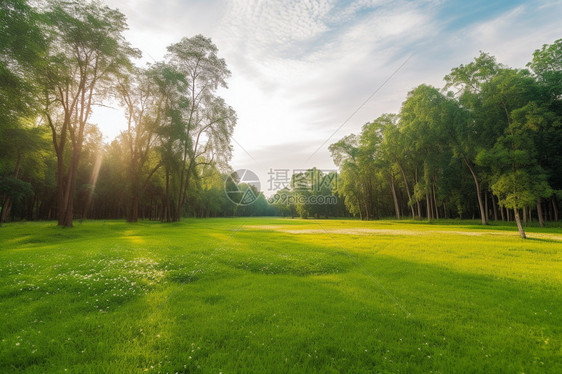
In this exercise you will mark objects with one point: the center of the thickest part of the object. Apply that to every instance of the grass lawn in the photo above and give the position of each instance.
(279, 295)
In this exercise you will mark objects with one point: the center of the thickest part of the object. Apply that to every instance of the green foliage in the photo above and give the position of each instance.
(547, 65)
(196, 124)
(514, 190)
(443, 155)
(470, 78)
(345, 155)
(499, 131)
(15, 189)
(21, 49)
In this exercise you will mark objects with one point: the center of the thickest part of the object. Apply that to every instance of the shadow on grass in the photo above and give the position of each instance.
(275, 298)
(509, 319)
(544, 240)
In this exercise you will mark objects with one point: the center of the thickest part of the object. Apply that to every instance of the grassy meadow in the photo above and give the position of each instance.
(279, 295)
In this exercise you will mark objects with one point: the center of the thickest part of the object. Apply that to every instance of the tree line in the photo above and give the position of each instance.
(62, 59)
(487, 144)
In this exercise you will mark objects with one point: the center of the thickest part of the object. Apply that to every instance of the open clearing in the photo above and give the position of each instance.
(279, 295)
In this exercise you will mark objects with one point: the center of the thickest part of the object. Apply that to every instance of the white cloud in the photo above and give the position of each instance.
(300, 68)
(513, 36)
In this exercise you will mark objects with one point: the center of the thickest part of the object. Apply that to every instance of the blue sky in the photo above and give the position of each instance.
(300, 68)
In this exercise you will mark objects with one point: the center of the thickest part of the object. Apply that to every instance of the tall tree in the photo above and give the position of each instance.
(207, 121)
(425, 124)
(351, 184)
(376, 156)
(518, 179)
(22, 47)
(87, 50)
(139, 95)
(19, 147)
(547, 65)
(474, 133)
(394, 150)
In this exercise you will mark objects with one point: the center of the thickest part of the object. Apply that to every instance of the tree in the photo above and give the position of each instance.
(206, 121)
(518, 179)
(21, 51)
(351, 184)
(376, 138)
(172, 89)
(473, 133)
(547, 66)
(139, 94)
(19, 147)
(312, 194)
(86, 51)
(284, 202)
(394, 150)
(426, 125)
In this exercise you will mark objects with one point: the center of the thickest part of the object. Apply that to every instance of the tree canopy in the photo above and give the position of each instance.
(486, 145)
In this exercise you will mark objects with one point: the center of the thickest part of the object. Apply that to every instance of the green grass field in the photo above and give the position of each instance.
(279, 295)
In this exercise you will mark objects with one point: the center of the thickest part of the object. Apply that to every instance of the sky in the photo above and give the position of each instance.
(306, 73)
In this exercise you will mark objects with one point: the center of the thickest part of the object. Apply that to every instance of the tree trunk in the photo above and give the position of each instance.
(539, 212)
(183, 194)
(486, 204)
(428, 206)
(502, 213)
(495, 207)
(133, 208)
(367, 215)
(396, 207)
(134, 192)
(61, 206)
(166, 202)
(6, 200)
(6, 207)
(434, 203)
(2, 209)
(519, 226)
(410, 202)
(69, 214)
(554, 207)
(417, 200)
(70, 187)
(477, 184)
